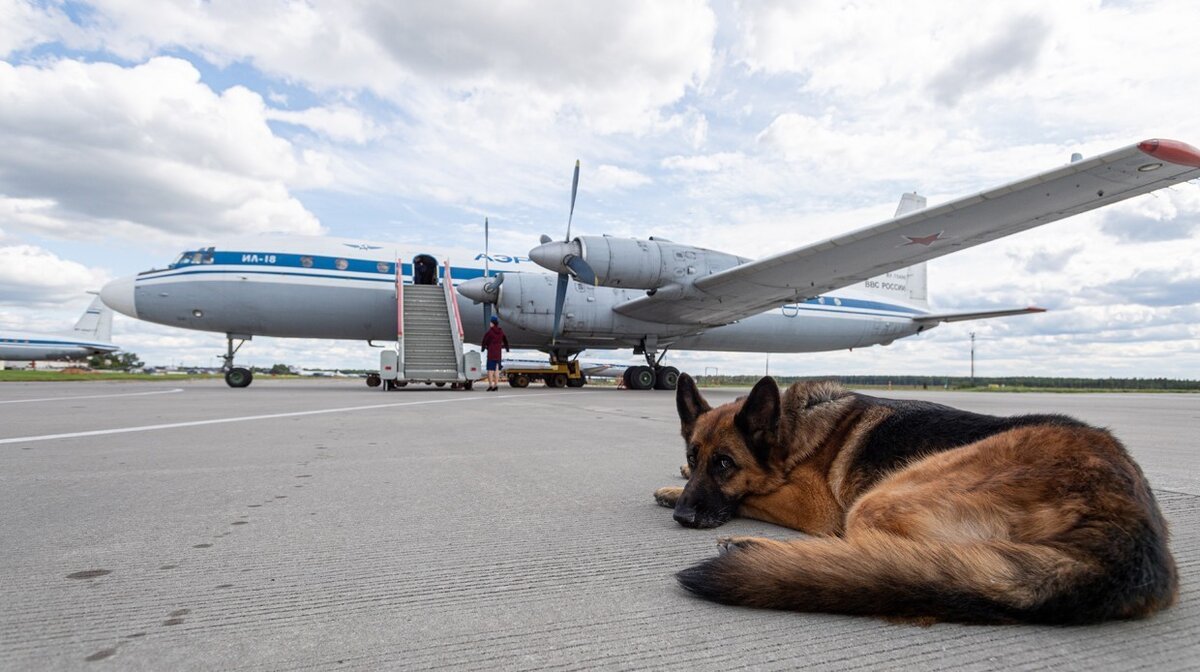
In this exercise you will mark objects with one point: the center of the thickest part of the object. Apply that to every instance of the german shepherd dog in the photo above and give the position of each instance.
(918, 511)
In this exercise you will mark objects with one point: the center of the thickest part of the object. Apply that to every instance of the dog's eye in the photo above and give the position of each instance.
(691, 459)
(724, 463)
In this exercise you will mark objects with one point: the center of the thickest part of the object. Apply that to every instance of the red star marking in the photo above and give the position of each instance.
(924, 240)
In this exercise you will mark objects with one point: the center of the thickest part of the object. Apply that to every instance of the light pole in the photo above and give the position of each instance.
(972, 359)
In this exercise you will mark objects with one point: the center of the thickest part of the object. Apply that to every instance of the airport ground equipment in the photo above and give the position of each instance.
(429, 338)
(553, 374)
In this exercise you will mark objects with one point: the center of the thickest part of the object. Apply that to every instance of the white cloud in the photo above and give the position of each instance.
(27, 25)
(146, 148)
(338, 122)
(612, 66)
(32, 275)
(607, 178)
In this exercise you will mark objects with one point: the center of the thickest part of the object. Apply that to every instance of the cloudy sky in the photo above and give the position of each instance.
(131, 130)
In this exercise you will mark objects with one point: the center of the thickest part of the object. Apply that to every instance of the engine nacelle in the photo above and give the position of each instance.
(636, 264)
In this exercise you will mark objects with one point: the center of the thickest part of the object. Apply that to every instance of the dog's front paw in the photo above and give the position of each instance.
(668, 496)
(685, 471)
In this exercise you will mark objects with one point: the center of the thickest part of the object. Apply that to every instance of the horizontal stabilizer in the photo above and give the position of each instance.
(938, 318)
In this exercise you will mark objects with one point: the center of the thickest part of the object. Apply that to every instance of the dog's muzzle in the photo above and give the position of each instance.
(688, 516)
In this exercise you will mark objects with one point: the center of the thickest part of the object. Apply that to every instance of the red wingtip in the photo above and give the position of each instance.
(1172, 151)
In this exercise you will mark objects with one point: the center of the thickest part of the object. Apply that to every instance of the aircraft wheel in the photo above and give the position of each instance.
(468, 385)
(625, 375)
(641, 378)
(666, 378)
(373, 380)
(239, 377)
(401, 383)
(518, 380)
(576, 382)
(440, 384)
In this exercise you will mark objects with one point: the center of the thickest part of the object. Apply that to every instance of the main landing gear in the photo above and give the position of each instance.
(654, 375)
(235, 376)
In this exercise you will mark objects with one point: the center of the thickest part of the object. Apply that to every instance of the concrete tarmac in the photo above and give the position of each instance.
(318, 524)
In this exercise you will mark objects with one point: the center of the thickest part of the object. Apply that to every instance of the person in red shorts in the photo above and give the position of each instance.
(493, 340)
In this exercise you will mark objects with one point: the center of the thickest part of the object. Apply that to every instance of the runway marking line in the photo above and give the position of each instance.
(244, 418)
(93, 396)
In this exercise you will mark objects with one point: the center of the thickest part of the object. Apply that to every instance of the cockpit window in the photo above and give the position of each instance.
(202, 256)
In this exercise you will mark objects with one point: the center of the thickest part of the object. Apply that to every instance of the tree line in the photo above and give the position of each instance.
(964, 382)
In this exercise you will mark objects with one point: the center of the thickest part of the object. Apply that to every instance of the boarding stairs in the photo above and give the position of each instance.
(429, 337)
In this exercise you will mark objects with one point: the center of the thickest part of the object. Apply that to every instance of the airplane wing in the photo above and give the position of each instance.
(937, 318)
(812, 270)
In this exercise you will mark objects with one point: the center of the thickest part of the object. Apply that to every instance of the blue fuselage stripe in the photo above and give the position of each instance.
(256, 263)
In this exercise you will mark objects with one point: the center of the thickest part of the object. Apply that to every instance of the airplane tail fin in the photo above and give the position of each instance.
(908, 284)
(96, 322)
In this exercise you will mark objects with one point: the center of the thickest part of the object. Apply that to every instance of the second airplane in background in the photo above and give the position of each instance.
(91, 336)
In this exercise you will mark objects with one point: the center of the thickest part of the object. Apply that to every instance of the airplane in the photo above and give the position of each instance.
(91, 336)
(863, 288)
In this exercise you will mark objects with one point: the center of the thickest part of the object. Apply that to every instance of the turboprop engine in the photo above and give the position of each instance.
(631, 263)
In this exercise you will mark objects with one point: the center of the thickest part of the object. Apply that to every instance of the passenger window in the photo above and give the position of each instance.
(341, 264)
(306, 262)
(383, 267)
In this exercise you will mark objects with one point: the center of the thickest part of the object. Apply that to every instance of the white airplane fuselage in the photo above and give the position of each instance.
(306, 287)
(90, 337)
(29, 347)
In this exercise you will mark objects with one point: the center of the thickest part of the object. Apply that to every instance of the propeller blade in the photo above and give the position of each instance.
(491, 287)
(545, 239)
(560, 297)
(574, 190)
(580, 269)
(487, 257)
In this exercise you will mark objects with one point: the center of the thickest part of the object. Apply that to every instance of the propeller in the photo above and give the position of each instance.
(490, 289)
(565, 257)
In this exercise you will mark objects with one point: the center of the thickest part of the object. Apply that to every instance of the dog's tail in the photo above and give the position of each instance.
(880, 574)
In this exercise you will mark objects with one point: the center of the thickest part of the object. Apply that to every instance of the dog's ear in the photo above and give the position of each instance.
(758, 420)
(690, 404)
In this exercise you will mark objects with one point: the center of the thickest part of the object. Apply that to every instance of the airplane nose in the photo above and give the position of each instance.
(118, 295)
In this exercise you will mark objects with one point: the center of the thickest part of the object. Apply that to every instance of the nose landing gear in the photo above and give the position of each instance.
(236, 376)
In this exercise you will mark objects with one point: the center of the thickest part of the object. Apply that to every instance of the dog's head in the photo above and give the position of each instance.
(730, 450)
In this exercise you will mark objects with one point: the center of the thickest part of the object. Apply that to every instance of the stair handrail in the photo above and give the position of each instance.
(457, 332)
(449, 287)
(400, 315)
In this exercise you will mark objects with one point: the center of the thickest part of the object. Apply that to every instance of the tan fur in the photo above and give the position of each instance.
(1018, 525)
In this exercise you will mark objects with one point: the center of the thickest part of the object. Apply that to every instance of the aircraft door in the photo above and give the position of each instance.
(425, 270)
